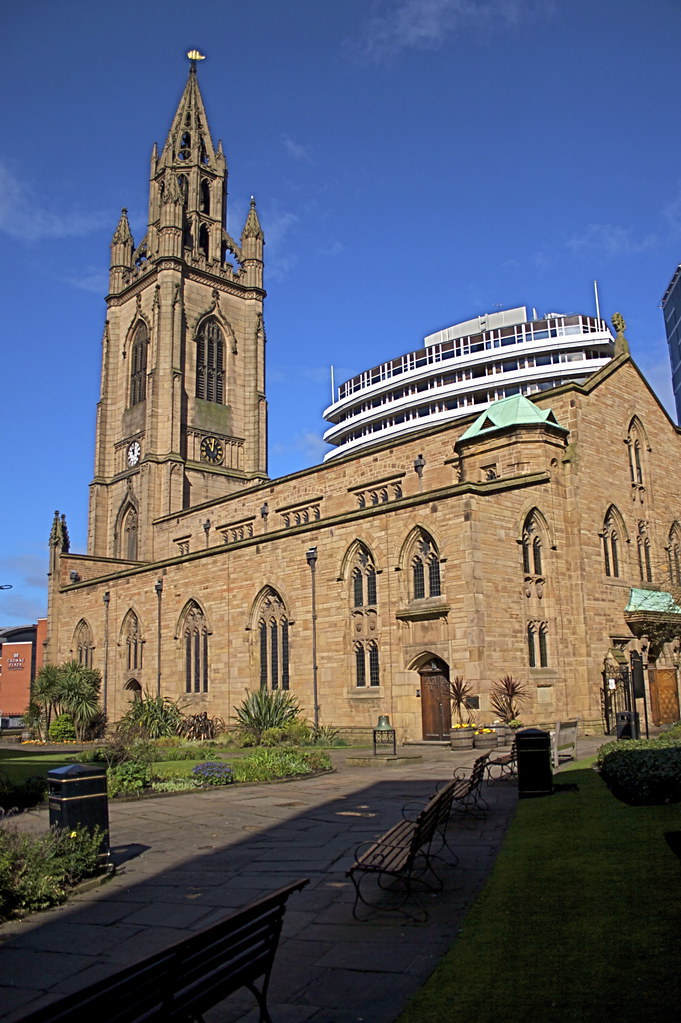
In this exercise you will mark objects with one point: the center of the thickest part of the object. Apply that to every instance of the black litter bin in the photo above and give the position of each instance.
(533, 751)
(78, 799)
(627, 724)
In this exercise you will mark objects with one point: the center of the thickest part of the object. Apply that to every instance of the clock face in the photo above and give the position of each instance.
(134, 452)
(211, 450)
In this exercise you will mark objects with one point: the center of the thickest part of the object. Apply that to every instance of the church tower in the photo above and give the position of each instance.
(182, 417)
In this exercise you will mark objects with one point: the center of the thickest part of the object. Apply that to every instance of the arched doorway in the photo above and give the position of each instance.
(436, 708)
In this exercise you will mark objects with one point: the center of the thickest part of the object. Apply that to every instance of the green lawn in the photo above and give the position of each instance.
(26, 761)
(579, 921)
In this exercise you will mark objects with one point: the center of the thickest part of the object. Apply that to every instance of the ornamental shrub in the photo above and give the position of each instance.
(641, 772)
(62, 729)
(282, 762)
(128, 779)
(36, 873)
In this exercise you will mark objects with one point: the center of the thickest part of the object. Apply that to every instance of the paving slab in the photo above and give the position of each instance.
(184, 861)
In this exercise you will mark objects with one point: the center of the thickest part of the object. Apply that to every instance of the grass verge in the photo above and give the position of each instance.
(580, 919)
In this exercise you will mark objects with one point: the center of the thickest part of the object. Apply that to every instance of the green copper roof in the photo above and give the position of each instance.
(658, 601)
(513, 411)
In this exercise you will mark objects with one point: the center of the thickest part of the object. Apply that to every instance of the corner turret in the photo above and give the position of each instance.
(122, 246)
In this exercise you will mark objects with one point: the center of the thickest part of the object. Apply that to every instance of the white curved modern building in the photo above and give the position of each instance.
(463, 369)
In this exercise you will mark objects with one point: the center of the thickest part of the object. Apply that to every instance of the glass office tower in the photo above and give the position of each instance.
(671, 307)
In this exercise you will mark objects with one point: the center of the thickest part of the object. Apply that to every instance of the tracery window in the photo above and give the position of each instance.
(83, 644)
(273, 638)
(674, 554)
(611, 545)
(127, 543)
(195, 636)
(635, 442)
(133, 642)
(364, 617)
(210, 372)
(138, 365)
(645, 567)
(532, 546)
(425, 569)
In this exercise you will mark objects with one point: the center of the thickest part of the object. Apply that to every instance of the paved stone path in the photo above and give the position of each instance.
(186, 860)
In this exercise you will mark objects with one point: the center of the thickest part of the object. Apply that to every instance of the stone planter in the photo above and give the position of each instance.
(461, 738)
(486, 741)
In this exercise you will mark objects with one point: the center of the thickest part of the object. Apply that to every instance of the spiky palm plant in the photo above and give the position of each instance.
(265, 709)
(506, 695)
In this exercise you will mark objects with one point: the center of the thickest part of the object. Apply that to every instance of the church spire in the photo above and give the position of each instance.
(189, 164)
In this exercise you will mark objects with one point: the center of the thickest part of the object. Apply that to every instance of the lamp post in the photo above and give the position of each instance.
(158, 587)
(106, 597)
(311, 555)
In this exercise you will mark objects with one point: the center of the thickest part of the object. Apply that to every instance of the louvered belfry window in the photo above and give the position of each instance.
(210, 371)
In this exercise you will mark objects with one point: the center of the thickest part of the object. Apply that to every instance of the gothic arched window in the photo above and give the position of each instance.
(533, 563)
(645, 567)
(210, 372)
(195, 636)
(133, 641)
(138, 365)
(364, 620)
(537, 646)
(273, 641)
(204, 202)
(611, 544)
(635, 441)
(674, 554)
(83, 644)
(129, 535)
(425, 569)
(203, 241)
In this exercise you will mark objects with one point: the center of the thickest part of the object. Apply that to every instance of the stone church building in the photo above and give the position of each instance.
(541, 539)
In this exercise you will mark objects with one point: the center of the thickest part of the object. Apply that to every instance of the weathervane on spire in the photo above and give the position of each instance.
(193, 56)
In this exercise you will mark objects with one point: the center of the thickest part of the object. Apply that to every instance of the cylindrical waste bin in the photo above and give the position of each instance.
(533, 752)
(78, 799)
(627, 724)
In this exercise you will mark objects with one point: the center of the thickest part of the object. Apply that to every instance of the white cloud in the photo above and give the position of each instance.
(296, 150)
(610, 240)
(24, 217)
(427, 24)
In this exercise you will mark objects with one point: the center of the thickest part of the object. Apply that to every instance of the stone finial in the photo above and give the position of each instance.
(621, 343)
(122, 234)
(252, 228)
(59, 534)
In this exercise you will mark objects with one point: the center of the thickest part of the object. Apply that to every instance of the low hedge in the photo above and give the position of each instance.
(642, 772)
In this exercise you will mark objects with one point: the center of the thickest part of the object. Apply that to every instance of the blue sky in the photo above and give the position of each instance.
(415, 163)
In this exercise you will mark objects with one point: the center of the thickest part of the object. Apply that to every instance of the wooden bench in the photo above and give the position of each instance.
(564, 741)
(506, 762)
(467, 797)
(180, 983)
(404, 852)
